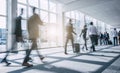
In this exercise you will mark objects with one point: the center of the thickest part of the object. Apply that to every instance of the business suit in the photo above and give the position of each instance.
(18, 38)
(69, 36)
(33, 30)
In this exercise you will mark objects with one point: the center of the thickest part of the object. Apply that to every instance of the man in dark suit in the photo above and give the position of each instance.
(18, 37)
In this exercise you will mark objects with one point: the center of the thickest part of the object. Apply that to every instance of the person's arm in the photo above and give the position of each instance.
(38, 19)
(81, 33)
(74, 33)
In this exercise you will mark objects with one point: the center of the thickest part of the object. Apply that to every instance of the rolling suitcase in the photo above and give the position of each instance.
(76, 47)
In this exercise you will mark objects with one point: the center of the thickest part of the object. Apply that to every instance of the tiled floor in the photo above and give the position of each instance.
(57, 62)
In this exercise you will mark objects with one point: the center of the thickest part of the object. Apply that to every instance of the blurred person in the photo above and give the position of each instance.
(106, 38)
(114, 35)
(93, 33)
(69, 36)
(18, 37)
(33, 31)
(119, 37)
(84, 33)
(101, 38)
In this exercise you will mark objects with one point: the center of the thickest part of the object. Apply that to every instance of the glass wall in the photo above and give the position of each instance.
(3, 32)
(80, 19)
(52, 32)
(47, 10)
(78, 22)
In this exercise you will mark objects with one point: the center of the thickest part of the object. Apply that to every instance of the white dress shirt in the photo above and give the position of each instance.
(114, 33)
(92, 30)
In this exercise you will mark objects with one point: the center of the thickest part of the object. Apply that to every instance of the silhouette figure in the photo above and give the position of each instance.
(84, 33)
(33, 30)
(18, 37)
(69, 36)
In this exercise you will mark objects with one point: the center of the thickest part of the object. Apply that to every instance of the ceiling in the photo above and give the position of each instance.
(107, 11)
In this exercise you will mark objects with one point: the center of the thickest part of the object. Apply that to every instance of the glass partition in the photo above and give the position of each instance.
(3, 28)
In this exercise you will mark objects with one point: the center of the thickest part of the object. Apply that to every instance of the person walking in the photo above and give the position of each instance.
(84, 33)
(101, 38)
(69, 36)
(93, 33)
(119, 37)
(18, 38)
(33, 30)
(114, 35)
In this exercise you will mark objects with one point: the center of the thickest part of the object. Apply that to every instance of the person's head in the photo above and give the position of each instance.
(34, 8)
(21, 11)
(114, 28)
(91, 23)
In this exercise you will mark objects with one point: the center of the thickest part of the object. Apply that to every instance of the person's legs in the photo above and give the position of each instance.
(14, 46)
(27, 59)
(114, 41)
(5, 59)
(40, 56)
(100, 41)
(85, 42)
(34, 45)
(92, 37)
(119, 40)
(105, 41)
(72, 41)
(26, 49)
(91, 41)
(95, 41)
(66, 45)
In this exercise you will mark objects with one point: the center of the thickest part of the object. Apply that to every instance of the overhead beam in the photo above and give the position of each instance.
(79, 4)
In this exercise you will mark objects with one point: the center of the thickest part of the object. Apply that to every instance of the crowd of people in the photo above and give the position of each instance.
(104, 38)
(33, 24)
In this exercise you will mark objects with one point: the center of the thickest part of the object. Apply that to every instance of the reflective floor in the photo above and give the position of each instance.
(57, 62)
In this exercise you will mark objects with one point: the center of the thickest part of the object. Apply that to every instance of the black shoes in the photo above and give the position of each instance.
(27, 64)
(7, 63)
(66, 53)
(42, 58)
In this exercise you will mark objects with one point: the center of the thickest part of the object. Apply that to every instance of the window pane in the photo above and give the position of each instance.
(73, 14)
(24, 25)
(44, 4)
(66, 20)
(52, 18)
(25, 10)
(3, 7)
(44, 16)
(3, 34)
(33, 3)
(77, 15)
(52, 7)
(2, 22)
(67, 14)
(23, 1)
